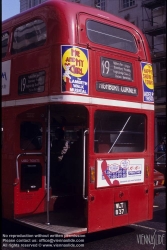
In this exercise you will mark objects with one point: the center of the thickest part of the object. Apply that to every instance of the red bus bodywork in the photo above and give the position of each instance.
(66, 29)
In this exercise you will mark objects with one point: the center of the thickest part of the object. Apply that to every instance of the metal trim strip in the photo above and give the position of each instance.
(78, 99)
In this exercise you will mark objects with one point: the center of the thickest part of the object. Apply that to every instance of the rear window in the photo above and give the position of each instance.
(116, 132)
(110, 36)
(29, 36)
(5, 41)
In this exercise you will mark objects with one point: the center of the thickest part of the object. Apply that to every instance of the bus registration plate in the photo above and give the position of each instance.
(120, 208)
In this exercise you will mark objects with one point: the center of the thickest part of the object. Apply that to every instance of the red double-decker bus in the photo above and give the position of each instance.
(77, 120)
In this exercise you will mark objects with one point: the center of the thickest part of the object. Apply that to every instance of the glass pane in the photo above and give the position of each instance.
(119, 132)
(128, 3)
(110, 36)
(30, 136)
(29, 36)
(100, 4)
(5, 40)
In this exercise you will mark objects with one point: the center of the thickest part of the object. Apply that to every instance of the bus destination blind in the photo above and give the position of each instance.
(31, 83)
(116, 69)
(116, 89)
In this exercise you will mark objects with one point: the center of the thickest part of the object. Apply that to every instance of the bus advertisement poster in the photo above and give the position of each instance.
(147, 81)
(5, 75)
(75, 70)
(118, 172)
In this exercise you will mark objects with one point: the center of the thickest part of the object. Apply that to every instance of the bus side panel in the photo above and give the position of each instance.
(101, 212)
(29, 202)
(8, 166)
(29, 191)
(100, 209)
(151, 201)
(23, 68)
(138, 205)
(7, 181)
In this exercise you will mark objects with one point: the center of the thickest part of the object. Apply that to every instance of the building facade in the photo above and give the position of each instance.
(150, 17)
(154, 27)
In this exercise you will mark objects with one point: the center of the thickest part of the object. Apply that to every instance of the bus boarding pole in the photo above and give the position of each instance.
(48, 168)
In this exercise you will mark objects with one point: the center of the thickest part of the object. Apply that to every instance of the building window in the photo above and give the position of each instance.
(29, 4)
(162, 71)
(100, 4)
(127, 3)
(35, 2)
(32, 3)
(160, 95)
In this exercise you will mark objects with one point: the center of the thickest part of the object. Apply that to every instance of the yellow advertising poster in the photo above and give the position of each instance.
(74, 70)
(147, 81)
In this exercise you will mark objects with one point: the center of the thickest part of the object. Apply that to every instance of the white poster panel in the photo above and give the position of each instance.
(5, 83)
(118, 172)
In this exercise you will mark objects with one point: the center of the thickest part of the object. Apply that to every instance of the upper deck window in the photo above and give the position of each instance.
(5, 40)
(110, 36)
(29, 36)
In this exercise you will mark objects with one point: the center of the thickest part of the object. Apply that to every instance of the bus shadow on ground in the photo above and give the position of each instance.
(159, 216)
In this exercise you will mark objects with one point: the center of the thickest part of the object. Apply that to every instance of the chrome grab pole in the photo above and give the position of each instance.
(84, 157)
(48, 168)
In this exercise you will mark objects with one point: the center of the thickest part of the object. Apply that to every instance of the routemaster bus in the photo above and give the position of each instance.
(77, 120)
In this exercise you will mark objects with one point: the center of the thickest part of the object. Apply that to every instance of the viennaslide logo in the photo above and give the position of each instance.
(154, 239)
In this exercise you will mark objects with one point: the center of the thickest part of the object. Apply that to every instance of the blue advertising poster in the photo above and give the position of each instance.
(119, 172)
(147, 81)
(75, 70)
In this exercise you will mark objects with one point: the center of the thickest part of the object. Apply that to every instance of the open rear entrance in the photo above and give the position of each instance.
(64, 151)
(68, 123)
(67, 126)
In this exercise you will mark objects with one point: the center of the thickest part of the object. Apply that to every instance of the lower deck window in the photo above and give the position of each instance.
(119, 132)
(30, 135)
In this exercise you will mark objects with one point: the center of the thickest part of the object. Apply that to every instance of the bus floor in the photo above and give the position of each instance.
(58, 223)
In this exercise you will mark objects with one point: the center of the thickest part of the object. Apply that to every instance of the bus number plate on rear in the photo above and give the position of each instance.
(120, 208)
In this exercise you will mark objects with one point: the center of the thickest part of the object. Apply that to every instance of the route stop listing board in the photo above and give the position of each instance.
(74, 70)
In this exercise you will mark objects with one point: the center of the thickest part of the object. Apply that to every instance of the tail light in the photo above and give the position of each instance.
(92, 174)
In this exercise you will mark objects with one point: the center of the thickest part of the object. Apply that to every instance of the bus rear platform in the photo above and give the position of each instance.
(66, 219)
